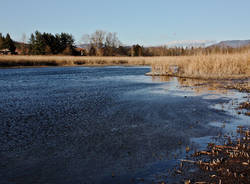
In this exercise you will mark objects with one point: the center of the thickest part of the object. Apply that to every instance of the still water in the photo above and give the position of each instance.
(104, 125)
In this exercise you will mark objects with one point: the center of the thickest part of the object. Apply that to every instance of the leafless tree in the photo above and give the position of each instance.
(104, 43)
(112, 40)
(24, 42)
(97, 38)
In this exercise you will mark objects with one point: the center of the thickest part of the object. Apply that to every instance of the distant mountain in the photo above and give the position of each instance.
(233, 43)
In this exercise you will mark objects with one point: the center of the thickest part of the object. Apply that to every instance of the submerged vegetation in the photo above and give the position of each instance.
(227, 163)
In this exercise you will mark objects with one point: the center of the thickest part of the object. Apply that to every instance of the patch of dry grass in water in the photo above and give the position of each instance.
(217, 66)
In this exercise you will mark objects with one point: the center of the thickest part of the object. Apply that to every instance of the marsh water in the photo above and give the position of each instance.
(105, 124)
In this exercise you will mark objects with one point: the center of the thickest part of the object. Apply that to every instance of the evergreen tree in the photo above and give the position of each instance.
(46, 43)
(66, 40)
(48, 50)
(31, 44)
(9, 44)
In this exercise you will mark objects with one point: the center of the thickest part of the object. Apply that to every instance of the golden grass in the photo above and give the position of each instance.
(217, 66)
(8, 61)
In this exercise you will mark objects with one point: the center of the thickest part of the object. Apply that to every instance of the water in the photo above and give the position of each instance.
(103, 125)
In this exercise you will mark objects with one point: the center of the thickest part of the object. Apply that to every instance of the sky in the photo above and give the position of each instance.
(146, 22)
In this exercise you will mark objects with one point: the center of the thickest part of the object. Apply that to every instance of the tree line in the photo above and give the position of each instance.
(49, 44)
(99, 43)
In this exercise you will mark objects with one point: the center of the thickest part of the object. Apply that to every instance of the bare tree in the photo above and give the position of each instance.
(111, 44)
(103, 43)
(109, 40)
(112, 40)
(98, 38)
(95, 41)
(24, 42)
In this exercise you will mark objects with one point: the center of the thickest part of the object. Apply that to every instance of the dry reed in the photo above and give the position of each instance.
(11, 61)
(219, 66)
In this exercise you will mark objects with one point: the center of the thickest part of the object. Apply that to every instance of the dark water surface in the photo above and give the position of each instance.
(99, 125)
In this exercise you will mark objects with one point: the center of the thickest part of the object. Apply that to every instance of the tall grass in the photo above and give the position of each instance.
(217, 66)
(11, 61)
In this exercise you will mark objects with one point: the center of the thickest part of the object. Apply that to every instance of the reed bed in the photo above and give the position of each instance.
(12, 61)
(216, 66)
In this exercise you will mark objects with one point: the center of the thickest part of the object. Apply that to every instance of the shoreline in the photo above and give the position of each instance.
(201, 77)
(83, 65)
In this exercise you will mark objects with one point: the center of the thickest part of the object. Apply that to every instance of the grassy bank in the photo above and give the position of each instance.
(14, 61)
(220, 66)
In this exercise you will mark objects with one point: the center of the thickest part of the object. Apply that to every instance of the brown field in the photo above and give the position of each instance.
(216, 66)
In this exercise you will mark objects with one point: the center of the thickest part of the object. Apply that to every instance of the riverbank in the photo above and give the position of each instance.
(24, 61)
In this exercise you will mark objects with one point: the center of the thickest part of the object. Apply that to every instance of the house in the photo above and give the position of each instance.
(81, 51)
(5, 52)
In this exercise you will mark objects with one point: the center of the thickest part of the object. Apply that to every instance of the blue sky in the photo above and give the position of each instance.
(153, 22)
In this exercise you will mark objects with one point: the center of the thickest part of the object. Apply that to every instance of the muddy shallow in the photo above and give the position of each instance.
(104, 125)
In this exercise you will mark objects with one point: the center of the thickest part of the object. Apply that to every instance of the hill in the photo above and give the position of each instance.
(233, 43)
